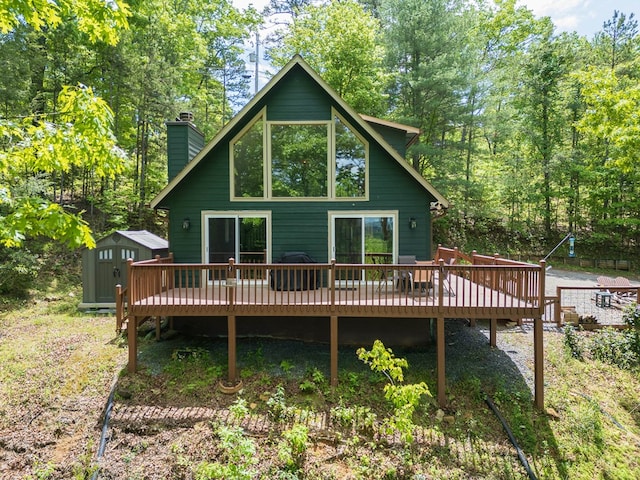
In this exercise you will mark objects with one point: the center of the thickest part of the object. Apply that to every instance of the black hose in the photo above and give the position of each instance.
(105, 427)
(521, 456)
(603, 411)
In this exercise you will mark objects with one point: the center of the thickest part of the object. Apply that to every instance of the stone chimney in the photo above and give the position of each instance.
(184, 142)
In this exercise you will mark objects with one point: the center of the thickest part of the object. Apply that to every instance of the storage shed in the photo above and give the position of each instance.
(105, 266)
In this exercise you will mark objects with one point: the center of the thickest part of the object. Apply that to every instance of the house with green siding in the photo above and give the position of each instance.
(296, 170)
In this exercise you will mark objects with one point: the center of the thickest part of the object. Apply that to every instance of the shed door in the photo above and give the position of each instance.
(111, 270)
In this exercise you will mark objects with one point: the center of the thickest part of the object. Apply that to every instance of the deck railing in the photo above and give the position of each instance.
(482, 289)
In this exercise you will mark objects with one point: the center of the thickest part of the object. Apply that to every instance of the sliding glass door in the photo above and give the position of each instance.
(359, 238)
(243, 237)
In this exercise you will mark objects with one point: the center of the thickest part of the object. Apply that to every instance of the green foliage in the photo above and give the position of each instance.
(614, 347)
(339, 41)
(239, 409)
(382, 360)
(81, 139)
(277, 407)
(613, 103)
(631, 318)
(18, 271)
(191, 371)
(237, 458)
(573, 342)
(356, 418)
(286, 366)
(292, 447)
(307, 386)
(100, 21)
(608, 345)
(404, 398)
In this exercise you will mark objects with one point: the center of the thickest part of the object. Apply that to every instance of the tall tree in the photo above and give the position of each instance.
(80, 137)
(77, 133)
(339, 40)
(540, 102)
(618, 41)
(426, 50)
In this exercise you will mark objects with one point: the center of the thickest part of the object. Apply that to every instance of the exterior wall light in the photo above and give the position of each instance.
(413, 223)
(186, 224)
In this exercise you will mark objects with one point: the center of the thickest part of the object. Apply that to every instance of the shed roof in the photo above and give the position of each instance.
(297, 60)
(145, 239)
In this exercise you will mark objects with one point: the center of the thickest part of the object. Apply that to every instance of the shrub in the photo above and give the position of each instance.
(403, 397)
(18, 271)
(614, 347)
(631, 317)
(236, 460)
(573, 342)
(292, 448)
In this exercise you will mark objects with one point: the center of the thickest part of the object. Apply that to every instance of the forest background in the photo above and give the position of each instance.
(530, 134)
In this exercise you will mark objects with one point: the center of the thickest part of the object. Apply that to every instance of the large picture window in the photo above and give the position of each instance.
(293, 160)
(299, 160)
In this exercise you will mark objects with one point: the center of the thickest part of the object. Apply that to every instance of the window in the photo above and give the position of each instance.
(299, 160)
(285, 160)
(350, 161)
(248, 162)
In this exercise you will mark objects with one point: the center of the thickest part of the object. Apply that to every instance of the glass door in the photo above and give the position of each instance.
(364, 239)
(243, 238)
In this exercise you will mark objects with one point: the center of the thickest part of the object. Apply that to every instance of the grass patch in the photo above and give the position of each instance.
(56, 367)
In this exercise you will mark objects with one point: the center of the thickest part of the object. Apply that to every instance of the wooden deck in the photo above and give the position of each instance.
(481, 287)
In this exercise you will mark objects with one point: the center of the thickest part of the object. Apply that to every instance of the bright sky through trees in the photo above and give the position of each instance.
(584, 16)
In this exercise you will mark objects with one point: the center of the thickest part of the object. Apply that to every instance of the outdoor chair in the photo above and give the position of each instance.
(404, 278)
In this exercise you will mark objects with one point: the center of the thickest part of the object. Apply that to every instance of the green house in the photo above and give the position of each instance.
(296, 170)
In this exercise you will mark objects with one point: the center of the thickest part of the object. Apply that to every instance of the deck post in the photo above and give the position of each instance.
(441, 282)
(493, 327)
(440, 362)
(538, 361)
(557, 311)
(334, 350)
(231, 347)
(119, 308)
(132, 341)
(538, 342)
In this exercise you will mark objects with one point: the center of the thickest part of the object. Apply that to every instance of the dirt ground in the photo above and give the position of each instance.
(46, 438)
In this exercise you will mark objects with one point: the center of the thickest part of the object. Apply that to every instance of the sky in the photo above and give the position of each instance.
(583, 16)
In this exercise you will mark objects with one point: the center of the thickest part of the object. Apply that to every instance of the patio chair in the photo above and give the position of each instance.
(404, 278)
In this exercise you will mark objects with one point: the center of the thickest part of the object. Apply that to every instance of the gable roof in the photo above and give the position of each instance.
(360, 120)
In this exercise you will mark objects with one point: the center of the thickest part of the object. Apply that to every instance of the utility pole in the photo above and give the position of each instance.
(257, 61)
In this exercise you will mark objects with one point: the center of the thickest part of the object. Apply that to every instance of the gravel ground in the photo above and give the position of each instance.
(467, 350)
